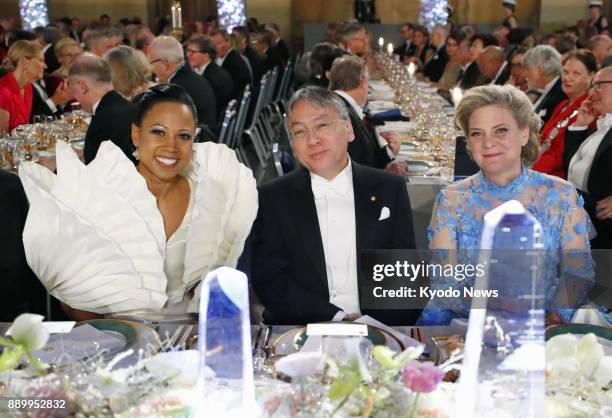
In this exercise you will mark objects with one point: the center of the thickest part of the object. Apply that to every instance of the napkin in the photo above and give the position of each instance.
(83, 341)
(388, 115)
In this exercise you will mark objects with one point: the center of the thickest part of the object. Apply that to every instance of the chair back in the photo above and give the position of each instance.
(230, 113)
(242, 116)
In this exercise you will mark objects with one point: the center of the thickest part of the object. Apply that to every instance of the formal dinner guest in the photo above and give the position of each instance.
(452, 70)
(186, 209)
(314, 222)
(231, 61)
(597, 20)
(66, 50)
(25, 63)
(167, 60)
(588, 155)
(130, 70)
(510, 20)
(423, 51)
(543, 71)
(578, 71)
(91, 84)
(493, 65)
(502, 132)
(601, 46)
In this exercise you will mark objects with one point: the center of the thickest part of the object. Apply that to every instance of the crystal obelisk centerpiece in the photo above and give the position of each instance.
(224, 342)
(504, 352)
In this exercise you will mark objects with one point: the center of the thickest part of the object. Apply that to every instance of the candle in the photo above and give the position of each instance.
(173, 13)
(390, 48)
(179, 15)
(456, 95)
(411, 69)
(381, 42)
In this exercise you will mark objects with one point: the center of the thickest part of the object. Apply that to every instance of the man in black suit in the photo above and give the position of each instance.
(264, 43)
(46, 37)
(43, 104)
(470, 75)
(256, 64)
(231, 61)
(543, 72)
(406, 48)
(279, 43)
(588, 157)
(20, 289)
(435, 67)
(201, 55)
(349, 80)
(313, 223)
(493, 65)
(112, 115)
(168, 64)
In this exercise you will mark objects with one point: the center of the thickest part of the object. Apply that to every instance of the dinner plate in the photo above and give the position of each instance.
(601, 332)
(418, 167)
(293, 340)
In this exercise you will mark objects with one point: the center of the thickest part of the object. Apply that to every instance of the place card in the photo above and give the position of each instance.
(337, 330)
(53, 327)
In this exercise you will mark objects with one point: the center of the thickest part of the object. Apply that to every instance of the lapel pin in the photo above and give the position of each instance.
(373, 198)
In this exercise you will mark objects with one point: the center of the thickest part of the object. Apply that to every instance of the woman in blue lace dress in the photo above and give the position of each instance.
(503, 136)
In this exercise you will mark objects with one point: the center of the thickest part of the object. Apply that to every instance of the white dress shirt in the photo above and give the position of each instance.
(219, 60)
(581, 162)
(38, 85)
(335, 204)
(201, 70)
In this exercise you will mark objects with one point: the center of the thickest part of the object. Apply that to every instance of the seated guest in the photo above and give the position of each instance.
(186, 209)
(313, 223)
(493, 65)
(130, 70)
(66, 50)
(405, 47)
(263, 43)
(201, 56)
(452, 70)
(543, 66)
(20, 290)
(470, 75)
(231, 61)
(434, 68)
(112, 115)
(354, 39)
(98, 42)
(320, 62)
(502, 134)
(349, 80)
(279, 43)
(588, 154)
(601, 46)
(25, 64)
(423, 51)
(167, 61)
(578, 71)
(256, 64)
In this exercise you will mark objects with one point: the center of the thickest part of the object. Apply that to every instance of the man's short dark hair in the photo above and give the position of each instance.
(204, 44)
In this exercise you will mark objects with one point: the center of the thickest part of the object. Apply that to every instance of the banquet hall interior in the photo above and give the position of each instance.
(306, 208)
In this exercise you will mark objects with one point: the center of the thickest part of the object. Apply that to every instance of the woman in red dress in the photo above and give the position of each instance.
(25, 63)
(578, 70)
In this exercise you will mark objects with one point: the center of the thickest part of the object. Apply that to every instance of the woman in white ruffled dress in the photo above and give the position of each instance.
(111, 238)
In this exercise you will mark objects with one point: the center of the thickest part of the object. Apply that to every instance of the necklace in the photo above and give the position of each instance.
(555, 131)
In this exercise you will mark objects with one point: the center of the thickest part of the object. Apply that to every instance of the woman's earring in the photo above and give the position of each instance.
(135, 154)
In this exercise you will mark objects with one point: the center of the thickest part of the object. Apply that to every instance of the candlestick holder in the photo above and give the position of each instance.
(176, 13)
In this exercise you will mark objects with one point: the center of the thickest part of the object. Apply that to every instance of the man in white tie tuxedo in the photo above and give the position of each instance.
(588, 156)
(313, 223)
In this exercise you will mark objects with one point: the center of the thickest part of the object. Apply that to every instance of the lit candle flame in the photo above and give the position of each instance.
(381, 42)
(390, 48)
(411, 69)
(456, 95)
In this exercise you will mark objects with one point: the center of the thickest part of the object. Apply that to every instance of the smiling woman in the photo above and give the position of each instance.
(25, 63)
(155, 230)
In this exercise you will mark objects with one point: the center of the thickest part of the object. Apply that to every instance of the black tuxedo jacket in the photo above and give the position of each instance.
(273, 58)
(39, 105)
(405, 50)
(201, 93)
(257, 64)
(222, 85)
(598, 183)
(20, 289)
(504, 76)
(546, 107)
(288, 266)
(283, 50)
(364, 149)
(112, 121)
(435, 67)
(51, 60)
(471, 77)
(238, 70)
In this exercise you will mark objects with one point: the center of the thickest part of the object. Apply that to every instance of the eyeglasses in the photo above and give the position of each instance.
(157, 60)
(319, 129)
(597, 85)
(193, 51)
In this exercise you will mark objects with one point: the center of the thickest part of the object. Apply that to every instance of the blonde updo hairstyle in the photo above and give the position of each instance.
(510, 98)
(21, 49)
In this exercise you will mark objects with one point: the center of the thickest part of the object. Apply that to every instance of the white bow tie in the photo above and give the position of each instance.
(322, 188)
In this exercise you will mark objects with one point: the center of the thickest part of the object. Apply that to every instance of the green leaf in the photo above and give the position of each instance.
(10, 359)
(7, 343)
(385, 356)
(343, 386)
(35, 362)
